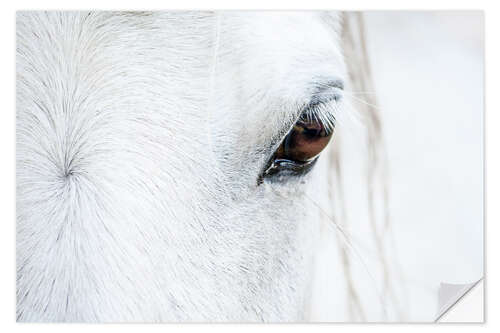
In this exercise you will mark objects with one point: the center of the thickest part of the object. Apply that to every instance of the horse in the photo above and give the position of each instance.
(185, 165)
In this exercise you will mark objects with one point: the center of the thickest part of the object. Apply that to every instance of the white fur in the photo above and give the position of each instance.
(140, 137)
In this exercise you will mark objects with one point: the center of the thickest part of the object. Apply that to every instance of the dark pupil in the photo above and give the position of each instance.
(304, 142)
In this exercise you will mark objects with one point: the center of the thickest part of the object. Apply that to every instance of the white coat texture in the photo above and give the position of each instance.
(140, 139)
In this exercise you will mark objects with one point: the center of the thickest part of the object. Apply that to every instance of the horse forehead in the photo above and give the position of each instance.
(279, 52)
(282, 31)
(293, 24)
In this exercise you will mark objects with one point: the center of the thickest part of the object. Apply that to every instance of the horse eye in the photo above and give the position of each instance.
(299, 150)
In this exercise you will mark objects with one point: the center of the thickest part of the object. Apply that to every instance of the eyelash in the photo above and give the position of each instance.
(322, 114)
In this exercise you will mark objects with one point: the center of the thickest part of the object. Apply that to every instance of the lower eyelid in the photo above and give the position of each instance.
(285, 170)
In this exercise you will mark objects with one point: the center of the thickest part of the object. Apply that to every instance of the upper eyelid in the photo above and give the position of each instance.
(326, 91)
(335, 82)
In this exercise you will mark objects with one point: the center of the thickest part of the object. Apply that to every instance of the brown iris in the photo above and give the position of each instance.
(304, 142)
(298, 151)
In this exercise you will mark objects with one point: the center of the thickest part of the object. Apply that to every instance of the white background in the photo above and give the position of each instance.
(8, 146)
(427, 68)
